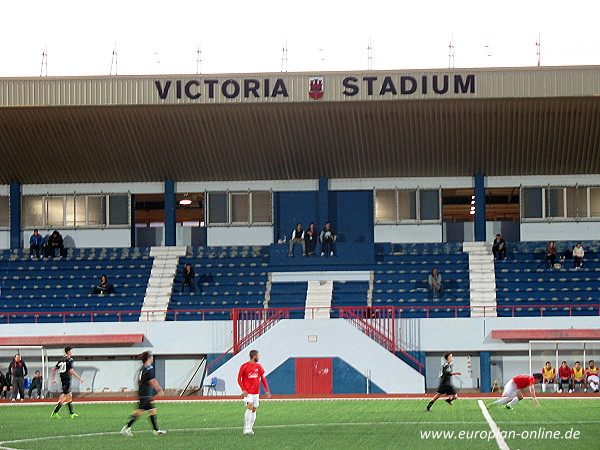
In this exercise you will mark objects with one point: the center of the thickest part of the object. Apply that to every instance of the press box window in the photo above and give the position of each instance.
(4, 212)
(240, 208)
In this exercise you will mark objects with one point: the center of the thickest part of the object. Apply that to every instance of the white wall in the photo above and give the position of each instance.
(81, 238)
(560, 231)
(289, 339)
(408, 233)
(93, 188)
(353, 184)
(239, 235)
(178, 344)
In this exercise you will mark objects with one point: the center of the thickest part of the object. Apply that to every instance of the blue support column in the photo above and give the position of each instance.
(15, 215)
(480, 207)
(170, 213)
(485, 371)
(132, 221)
(276, 231)
(323, 196)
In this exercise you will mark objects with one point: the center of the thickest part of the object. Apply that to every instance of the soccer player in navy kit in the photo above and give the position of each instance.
(147, 387)
(65, 368)
(445, 387)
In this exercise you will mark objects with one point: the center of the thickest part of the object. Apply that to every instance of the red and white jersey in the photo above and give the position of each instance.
(523, 381)
(250, 376)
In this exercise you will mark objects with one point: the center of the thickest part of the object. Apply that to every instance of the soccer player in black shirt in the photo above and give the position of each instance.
(147, 388)
(445, 387)
(65, 368)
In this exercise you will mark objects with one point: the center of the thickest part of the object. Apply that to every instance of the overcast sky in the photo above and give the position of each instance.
(248, 36)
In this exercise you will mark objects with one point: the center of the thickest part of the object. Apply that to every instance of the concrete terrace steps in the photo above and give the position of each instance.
(160, 284)
(482, 279)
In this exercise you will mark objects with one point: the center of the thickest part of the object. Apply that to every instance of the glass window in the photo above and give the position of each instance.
(55, 212)
(555, 203)
(261, 207)
(95, 209)
(532, 203)
(240, 208)
(118, 210)
(32, 211)
(429, 204)
(385, 205)
(574, 207)
(407, 205)
(217, 207)
(75, 211)
(4, 212)
(582, 202)
(594, 202)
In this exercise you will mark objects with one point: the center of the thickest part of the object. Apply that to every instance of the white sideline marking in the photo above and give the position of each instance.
(499, 439)
(265, 427)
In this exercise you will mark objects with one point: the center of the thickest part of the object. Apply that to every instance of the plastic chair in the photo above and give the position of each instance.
(212, 386)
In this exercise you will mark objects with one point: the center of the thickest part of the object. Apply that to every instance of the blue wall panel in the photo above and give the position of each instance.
(351, 215)
(293, 207)
(348, 380)
(282, 380)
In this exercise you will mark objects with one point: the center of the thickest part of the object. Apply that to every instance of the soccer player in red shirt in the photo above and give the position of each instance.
(250, 376)
(512, 390)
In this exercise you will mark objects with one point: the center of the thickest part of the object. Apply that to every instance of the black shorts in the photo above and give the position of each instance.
(446, 389)
(146, 403)
(66, 387)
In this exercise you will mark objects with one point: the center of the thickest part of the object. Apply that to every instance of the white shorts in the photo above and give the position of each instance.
(593, 379)
(510, 389)
(252, 398)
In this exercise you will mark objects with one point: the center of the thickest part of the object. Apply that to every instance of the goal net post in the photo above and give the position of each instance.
(35, 357)
(556, 352)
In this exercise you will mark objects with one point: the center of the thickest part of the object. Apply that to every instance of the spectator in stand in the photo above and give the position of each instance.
(4, 385)
(311, 237)
(55, 245)
(188, 275)
(499, 247)
(297, 238)
(435, 282)
(36, 383)
(18, 372)
(591, 375)
(551, 254)
(327, 238)
(578, 376)
(565, 376)
(104, 287)
(36, 244)
(549, 374)
(578, 253)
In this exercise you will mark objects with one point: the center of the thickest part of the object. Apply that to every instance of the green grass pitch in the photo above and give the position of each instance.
(302, 424)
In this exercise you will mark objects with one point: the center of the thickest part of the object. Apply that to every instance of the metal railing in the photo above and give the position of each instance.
(254, 315)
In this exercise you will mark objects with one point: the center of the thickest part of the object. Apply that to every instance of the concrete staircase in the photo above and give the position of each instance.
(482, 279)
(318, 299)
(160, 284)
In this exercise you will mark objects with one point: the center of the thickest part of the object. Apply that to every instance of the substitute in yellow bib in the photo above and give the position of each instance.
(549, 374)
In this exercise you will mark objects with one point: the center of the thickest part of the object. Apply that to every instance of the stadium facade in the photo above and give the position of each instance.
(387, 156)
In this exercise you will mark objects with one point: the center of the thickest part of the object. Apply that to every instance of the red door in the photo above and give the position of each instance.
(313, 376)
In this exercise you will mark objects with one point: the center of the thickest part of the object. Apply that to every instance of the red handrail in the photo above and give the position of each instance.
(230, 312)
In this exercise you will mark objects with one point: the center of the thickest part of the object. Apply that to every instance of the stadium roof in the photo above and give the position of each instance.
(529, 121)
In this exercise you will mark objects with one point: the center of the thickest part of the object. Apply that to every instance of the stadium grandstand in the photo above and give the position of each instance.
(415, 170)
